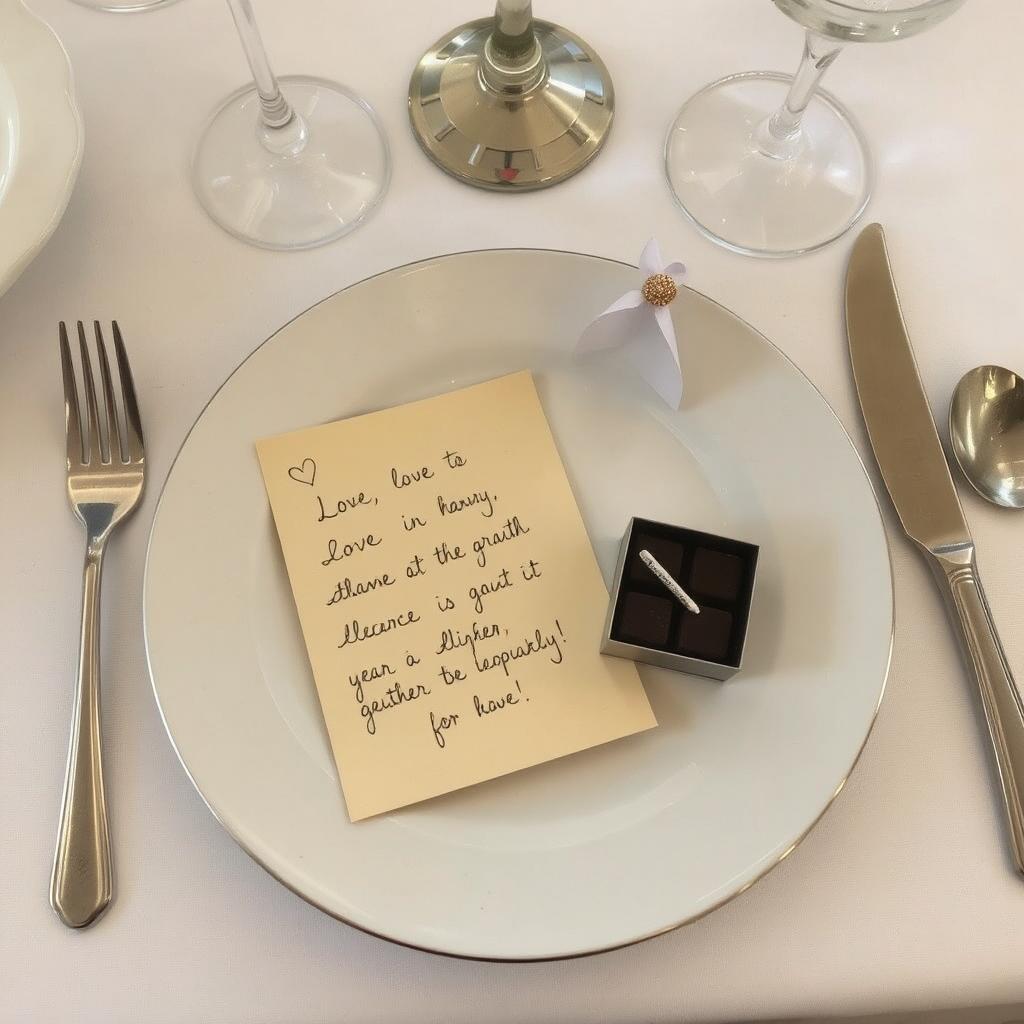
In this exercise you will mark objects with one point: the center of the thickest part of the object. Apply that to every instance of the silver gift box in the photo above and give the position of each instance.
(739, 607)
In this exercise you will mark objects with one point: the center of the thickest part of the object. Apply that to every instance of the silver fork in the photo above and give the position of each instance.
(106, 470)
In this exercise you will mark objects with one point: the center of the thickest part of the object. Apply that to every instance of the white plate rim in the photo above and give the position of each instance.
(51, 139)
(610, 947)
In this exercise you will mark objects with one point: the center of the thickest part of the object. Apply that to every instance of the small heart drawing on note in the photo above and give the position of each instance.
(304, 474)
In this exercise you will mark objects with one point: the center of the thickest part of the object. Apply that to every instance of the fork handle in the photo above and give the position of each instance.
(82, 884)
(958, 578)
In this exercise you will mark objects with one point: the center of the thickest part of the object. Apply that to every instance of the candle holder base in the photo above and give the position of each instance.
(510, 138)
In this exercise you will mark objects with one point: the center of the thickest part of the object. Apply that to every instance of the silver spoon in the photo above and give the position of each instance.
(986, 427)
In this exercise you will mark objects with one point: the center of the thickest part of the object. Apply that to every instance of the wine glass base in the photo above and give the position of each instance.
(292, 200)
(124, 6)
(510, 141)
(754, 203)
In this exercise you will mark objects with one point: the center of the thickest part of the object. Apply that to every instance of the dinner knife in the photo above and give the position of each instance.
(916, 474)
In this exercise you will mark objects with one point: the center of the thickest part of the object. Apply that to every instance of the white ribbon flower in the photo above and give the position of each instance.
(642, 322)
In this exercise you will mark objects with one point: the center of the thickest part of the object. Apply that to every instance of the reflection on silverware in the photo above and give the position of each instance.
(916, 473)
(986, 429)
(106, 470)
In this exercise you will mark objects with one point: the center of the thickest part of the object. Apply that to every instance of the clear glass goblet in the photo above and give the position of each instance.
(290, 163)
(771, 165)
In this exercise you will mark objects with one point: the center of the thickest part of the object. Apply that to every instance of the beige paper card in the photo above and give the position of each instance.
(448, 594)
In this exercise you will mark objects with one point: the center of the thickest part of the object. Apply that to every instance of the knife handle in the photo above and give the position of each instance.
(957, 573)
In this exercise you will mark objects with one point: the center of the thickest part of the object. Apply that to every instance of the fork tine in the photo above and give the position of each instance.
(136, 448)
(72, 419)
(113, 429)
(95, 446)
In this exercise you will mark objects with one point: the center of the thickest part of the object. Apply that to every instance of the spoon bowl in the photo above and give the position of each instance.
(986, 428)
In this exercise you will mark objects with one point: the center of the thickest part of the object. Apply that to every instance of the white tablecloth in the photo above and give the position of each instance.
(902, 898)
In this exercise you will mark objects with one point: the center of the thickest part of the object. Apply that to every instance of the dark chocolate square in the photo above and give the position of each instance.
(645, 619)
(716, 574)
(666, 551)
(706, 635)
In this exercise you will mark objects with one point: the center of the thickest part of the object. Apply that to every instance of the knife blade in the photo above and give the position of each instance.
(916, 474)
(896, 411)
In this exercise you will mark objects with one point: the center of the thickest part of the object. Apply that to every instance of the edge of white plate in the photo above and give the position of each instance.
(598, 949)
(48, 159)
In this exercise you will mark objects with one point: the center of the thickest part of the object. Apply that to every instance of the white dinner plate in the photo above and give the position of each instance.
(40, 137)
(605, 847)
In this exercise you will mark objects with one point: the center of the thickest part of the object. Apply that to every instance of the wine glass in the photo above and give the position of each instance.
(771, 165)
(290, 163)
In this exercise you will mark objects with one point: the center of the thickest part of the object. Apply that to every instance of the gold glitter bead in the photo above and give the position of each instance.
(659, 289)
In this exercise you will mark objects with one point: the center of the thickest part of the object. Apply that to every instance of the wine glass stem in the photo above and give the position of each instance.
(275, 111)
(780, 135)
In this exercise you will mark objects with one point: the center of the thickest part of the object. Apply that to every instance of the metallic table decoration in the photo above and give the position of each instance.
(511, 103)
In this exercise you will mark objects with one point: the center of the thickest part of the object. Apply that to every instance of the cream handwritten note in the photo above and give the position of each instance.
(448, 594)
